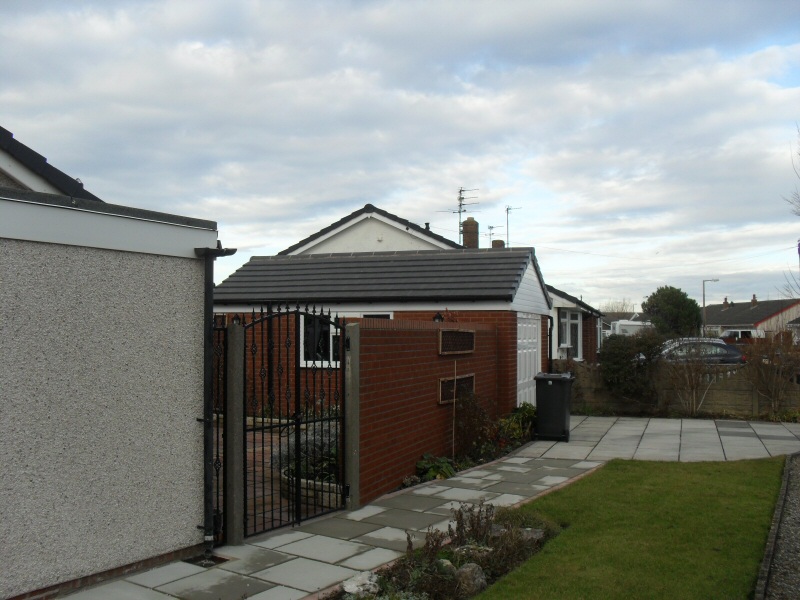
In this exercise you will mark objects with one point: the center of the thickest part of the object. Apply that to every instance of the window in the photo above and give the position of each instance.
(320, 340)
(569, 332)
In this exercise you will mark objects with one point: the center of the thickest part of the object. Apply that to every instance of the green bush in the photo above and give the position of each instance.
(626, 365)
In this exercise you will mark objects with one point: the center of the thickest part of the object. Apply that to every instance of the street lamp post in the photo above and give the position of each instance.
(704, 303)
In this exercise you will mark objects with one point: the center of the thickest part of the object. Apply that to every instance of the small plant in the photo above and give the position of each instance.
(319, 453)
(435, 467)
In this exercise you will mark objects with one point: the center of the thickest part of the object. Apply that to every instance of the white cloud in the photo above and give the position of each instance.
(639, 142)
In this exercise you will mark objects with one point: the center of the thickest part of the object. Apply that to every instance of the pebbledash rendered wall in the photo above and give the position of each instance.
(101, 385)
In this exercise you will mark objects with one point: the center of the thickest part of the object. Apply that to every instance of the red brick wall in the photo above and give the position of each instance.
(400, 415)
(545, 349)
(589, 327)
(506, 326)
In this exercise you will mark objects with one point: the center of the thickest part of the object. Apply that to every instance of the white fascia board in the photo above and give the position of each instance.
(34, 222)
(386, 307)
(17, 171)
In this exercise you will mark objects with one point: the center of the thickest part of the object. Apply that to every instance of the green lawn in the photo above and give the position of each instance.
(653, 530)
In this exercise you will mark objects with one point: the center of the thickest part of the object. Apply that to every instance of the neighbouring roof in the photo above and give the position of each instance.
(424, 275)
(367, 209)
(745, 314)
(576, 301)
(36, 163)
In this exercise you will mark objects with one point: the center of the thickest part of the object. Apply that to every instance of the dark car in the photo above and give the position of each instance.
(711, 351)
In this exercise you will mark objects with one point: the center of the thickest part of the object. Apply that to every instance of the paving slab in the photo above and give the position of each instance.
(305, 574)
(404, 519)
(336, 527)
(279, 539)
(408, 502)
(390, 538)
(215, 584)
(119, 590)
(280, 592)
(372, 559)
(249, 559)
(161, 575)
(324, 549)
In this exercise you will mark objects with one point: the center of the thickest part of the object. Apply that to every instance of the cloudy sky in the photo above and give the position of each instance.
(640, 143)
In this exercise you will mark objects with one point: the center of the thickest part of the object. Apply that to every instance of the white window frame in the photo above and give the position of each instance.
(566, 318)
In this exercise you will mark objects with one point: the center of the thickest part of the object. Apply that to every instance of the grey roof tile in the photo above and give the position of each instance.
(745, 314)
(430, 275)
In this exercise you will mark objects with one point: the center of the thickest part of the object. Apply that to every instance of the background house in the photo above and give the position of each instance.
(102, 346)
(502, 287)
(23, 169)
(768, 316)
(576, 327)
(371, 229)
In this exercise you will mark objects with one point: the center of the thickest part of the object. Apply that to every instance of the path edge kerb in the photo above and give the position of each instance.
(777, 516)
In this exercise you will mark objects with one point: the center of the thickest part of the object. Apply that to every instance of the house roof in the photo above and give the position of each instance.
(357, 215)
(424, 275)
(746, 314)
(576, 301)
(36, 163)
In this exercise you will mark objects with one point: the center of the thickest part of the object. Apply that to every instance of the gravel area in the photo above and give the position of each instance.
(783, 581)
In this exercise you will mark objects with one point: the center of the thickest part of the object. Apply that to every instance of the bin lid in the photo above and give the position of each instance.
(554, 376)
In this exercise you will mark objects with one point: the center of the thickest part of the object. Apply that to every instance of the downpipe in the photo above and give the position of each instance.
(209, 255)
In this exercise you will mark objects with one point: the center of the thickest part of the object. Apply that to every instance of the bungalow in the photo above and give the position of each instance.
(576, 327)
(502, 287)
(755, 318)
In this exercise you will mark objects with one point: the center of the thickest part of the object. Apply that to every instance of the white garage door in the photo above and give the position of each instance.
(528, 360)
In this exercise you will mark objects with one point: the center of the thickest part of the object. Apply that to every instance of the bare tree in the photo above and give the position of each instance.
(773, 369)
(620, 306)
(794, 198)
(791, 289)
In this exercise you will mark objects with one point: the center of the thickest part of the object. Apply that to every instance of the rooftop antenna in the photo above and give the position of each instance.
(461, 210)
(491, 231)
(508, 236)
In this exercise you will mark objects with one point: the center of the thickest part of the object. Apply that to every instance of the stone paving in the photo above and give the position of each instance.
(301, 562)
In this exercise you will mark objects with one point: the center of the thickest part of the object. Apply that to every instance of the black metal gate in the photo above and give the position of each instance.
(293, 419)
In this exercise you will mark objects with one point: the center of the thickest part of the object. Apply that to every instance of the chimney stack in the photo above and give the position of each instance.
(469, 230)
(725, 303)
(498, 244)
(753, 302)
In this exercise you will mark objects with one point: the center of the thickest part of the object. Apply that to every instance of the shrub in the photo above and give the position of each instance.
(627, 365)
(772, 368)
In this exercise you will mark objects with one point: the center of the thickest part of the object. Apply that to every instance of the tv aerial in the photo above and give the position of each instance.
(461, 210)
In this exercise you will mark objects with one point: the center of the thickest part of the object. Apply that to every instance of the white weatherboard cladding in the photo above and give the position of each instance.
(531, 296)
(370, 234)
(528, 359)
(102, 383)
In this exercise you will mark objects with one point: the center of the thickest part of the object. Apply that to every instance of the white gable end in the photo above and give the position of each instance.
(370, 233)
(531, 297)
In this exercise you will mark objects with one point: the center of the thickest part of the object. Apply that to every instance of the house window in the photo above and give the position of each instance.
(569, 332)
(320, 341)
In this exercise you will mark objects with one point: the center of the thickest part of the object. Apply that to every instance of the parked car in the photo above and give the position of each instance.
(712, 351)
(741, 336)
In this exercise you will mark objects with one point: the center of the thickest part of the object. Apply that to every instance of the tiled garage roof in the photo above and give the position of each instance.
(431, 275)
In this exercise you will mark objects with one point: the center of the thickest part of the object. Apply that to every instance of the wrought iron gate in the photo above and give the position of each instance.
(293, 420)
